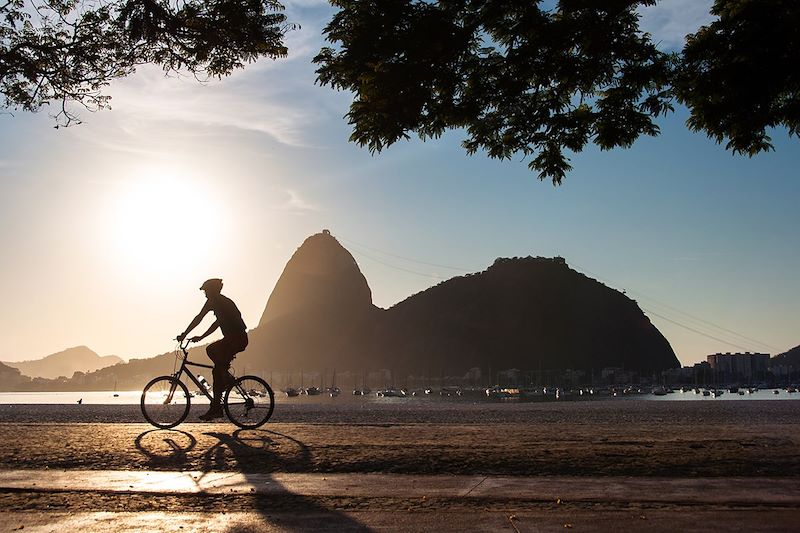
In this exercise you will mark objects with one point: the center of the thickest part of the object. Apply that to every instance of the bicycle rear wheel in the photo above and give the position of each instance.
(249, 402)
(165, 402)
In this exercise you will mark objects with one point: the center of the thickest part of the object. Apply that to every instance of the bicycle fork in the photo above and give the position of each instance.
(171, 393)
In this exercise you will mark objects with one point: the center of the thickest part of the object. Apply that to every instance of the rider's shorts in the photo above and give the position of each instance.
(224, 350)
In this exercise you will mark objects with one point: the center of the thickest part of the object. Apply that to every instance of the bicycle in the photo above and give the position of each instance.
(248, 401)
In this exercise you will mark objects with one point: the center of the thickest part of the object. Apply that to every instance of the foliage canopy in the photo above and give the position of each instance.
(67, 50)
(516, 77)
(519, 78)
(740, 75)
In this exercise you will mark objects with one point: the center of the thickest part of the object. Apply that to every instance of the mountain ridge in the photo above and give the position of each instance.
(527, 313)
(522, 312)
(789, 357)
(64, 363)
(518, 313)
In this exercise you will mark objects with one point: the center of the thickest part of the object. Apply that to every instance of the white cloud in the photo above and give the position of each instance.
(245, 103)
(669, 21)
(296, 203)
(274, 98)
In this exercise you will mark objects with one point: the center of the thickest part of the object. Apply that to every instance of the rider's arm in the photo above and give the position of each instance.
(199, 318)
(211, 330)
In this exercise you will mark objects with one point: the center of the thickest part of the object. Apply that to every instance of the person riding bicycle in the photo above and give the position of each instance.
(221, 352)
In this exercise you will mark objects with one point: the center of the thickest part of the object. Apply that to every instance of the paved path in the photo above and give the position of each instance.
(782, 492)
(111, 500)
(587, 467)
(558, 520)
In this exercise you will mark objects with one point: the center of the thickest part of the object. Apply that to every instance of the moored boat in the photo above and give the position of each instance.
(498, 393)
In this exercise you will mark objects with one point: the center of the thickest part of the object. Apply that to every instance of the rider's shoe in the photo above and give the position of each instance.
(213, 413)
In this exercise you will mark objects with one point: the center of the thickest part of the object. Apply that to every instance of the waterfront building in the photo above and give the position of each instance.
(741, 367)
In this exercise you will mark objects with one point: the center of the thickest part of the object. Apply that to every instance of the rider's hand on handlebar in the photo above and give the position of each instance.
(195, 339)
(180, 337)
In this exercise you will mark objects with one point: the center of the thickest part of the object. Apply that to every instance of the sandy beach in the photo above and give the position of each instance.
(727, 464)
(632, 438)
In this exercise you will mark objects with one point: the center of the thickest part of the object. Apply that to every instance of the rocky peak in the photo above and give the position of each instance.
(320, 275)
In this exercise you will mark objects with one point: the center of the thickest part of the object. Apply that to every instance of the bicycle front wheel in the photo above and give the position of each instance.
(165, 402)
(249, 402)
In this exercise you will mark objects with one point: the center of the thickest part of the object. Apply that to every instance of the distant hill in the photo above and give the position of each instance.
(66, 363)
(10, 377)
(789, 357)
(528, 313)
(319, 314)
(321, 276)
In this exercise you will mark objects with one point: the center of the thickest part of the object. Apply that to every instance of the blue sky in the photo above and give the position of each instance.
(109, 227)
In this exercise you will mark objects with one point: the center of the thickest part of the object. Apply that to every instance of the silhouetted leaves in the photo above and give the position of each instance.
(63, 50)
(516, 77)
(520, 79)
(741, 74)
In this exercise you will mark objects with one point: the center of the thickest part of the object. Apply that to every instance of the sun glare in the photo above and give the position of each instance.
(163, 224)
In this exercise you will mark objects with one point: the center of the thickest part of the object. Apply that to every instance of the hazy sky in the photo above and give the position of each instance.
(108, 228)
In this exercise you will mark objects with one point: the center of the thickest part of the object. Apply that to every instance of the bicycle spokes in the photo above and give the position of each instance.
(170, 394)
(249, 402)
(165, 402)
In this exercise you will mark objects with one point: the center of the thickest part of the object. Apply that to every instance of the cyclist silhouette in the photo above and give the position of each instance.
(221, 352)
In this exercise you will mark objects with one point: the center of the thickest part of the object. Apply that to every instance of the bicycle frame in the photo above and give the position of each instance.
(184, 370)
(248, 401)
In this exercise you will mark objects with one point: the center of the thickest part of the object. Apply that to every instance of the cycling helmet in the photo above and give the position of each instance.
(213, 284)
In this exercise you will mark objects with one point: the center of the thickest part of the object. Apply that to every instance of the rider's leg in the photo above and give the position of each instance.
(218, 353)
(222, 353)
(220, 374)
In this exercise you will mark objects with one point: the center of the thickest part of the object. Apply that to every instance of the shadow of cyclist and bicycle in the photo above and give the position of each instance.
(248, 452)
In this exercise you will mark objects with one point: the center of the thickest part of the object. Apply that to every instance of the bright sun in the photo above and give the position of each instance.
(163, 224)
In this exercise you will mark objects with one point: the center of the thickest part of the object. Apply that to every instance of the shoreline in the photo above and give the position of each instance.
(747, 413)
(607, 466)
